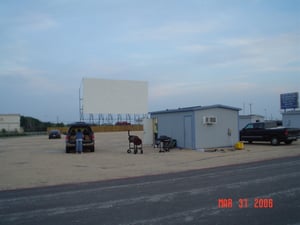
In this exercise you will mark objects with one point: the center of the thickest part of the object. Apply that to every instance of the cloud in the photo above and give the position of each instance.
(29, 79)
(196, 48)
(33, 21)
(42, 22)
(279, 53)
(232, 93)
(274, 53)
(170, 30)
(201, 88)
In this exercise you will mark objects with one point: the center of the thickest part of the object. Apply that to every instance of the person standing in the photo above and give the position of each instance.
(79, 138)
(155, 133)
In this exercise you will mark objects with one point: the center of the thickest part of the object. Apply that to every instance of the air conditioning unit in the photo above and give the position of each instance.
(209, 120)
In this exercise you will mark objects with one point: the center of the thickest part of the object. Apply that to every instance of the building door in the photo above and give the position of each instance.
(188, 140)
(148, 131)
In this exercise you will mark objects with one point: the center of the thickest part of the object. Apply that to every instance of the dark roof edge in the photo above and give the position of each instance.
(291, 112)
(195, 108)
(246, 116)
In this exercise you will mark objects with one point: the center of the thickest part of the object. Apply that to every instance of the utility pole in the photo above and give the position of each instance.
(266, 114)
(250, 104)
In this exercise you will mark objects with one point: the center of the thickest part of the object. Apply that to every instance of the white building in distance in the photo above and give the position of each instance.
(291, 119)
(10, 123)
(245, 119)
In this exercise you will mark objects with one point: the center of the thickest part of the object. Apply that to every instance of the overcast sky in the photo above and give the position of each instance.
(191, 52)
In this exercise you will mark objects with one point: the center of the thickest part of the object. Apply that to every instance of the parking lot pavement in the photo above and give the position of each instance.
(37, 161)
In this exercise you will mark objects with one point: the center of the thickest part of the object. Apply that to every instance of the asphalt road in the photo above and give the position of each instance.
(265, 192)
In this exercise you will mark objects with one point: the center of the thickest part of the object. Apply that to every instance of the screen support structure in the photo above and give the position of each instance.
(81, 114)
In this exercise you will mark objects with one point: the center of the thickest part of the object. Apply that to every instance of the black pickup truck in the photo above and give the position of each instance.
(265, 132)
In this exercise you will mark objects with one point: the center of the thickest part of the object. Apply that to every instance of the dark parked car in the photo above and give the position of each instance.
(54, 134)
(88, 142)
(122, 123)
(265, 132)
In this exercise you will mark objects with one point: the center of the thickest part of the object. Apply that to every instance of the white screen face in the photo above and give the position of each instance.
(115, 96)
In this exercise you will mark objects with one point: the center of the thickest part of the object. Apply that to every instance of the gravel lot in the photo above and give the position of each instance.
(37, 161)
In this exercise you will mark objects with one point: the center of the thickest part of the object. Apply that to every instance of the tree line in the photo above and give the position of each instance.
(31, 124)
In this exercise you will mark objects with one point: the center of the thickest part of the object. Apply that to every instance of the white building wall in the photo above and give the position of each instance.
(10, 122)
(245, 119)
(172, 125)
(222, 134)
(291, 119)
(188, 129)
